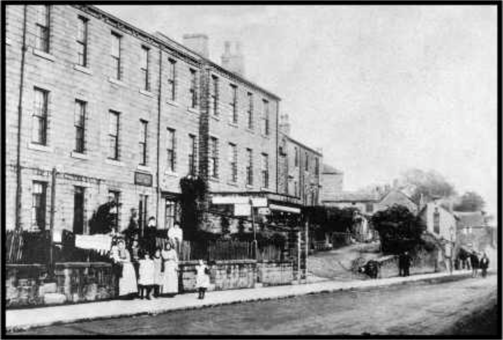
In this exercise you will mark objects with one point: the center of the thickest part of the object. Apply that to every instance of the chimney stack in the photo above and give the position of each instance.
(233, 60)
(198, 43)
(284, 124)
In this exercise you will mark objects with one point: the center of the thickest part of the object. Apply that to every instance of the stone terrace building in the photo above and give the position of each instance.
(101, 110)
(94, 105)
(299, 168)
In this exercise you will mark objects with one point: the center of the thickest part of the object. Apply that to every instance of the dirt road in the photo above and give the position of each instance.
(412, 309)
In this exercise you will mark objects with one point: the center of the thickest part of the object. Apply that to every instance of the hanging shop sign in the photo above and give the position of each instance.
(284, 208)
(242, 209)
(141, 178)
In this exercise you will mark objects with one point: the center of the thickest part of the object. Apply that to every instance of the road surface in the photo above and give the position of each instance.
(465, 306)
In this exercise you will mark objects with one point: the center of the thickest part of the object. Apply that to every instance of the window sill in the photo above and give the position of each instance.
(114, 162)
(214, 179)
(116, 81)
(232, 184)
(43, 54)
(82, 69)
(249, 186)
(265, 189)
(144, 168)
(147, 93)
(40, 147)
(217, 118)
(266, 136)
(233, 124)
(172, 103)
(79, 155)
(190, 109)
(170, 173)
(250, 131)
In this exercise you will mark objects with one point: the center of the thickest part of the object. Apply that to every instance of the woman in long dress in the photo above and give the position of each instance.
(170, 277)
(127, 282)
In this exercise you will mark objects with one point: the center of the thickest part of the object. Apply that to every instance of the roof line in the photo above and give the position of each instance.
(302, 144)
(179, 48)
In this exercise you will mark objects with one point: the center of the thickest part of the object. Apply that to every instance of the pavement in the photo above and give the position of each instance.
(22, 319)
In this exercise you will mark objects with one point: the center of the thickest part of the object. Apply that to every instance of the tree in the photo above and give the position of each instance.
(470, 201)
(330, 219)
(427, 183)
(399, 229)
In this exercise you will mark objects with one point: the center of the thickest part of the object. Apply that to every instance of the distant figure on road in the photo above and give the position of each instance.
(484, 264)
(404, 262)
(371, 268)
(474, 261)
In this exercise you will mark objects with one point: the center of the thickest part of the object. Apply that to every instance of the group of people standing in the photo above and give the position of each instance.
(476, 263)
(146, 270)
(144, 273)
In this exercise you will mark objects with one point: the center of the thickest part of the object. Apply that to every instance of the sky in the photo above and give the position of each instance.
(380, 89)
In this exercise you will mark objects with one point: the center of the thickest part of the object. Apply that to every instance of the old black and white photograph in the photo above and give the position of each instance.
(239, 169)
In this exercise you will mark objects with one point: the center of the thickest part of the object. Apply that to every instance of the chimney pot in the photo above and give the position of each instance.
(198, 43)
(233, 61)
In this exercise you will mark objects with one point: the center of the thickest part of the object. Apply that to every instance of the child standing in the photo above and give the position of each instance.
(157, 271)
(146, 273)
(202, 278)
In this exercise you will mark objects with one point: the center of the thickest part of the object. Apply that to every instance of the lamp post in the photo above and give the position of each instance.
(254, 229)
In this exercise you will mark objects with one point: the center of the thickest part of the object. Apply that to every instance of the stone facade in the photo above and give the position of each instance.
(299, 171)
(439, 221)
(66, 83)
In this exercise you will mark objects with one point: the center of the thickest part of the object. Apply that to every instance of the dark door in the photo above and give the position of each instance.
(78, 211)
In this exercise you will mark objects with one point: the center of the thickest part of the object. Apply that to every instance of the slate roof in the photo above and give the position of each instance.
(328, 169)
(357, 197)
(470, 219)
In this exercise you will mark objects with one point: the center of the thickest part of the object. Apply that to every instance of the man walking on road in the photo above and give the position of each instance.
(474, 261)
(484, 264)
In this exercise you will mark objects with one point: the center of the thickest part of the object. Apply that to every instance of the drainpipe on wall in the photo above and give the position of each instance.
(277, 147)
(19, 122)
(159, 105)
(204, 130)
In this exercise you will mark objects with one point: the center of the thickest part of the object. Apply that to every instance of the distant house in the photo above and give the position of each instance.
(439, 221)
(473, 231)
(397, 197)
(370, 202)
(365, 202)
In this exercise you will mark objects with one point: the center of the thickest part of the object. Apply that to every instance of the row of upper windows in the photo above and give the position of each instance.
(40, 132)
(40, 129)
(214, 107)
(213, 164)
(117, 71)
(296, 162)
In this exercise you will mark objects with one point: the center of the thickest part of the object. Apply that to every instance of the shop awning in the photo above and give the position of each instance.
(284, 208)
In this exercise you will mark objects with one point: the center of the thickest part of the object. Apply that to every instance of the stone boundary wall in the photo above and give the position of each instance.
(275, 273)
(224, 275)
(28, 285)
